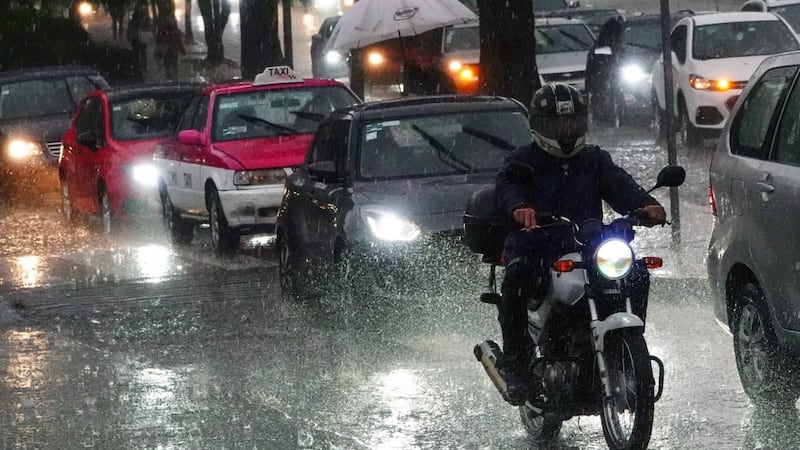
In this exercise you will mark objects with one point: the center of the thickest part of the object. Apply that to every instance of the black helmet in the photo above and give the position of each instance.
(559, 119)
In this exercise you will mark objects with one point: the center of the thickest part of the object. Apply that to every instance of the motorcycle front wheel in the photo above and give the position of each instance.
(627, 415)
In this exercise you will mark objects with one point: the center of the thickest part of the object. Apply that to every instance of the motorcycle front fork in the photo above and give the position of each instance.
(598, 341)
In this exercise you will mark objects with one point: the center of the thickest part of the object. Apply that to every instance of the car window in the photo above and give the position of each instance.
(80, 86)
(542, 5)
(563, 38)
(35, 98)
(146, 117)
(199, 122)
(462, 38)
(319, 148)
(787, 145)
(677, 41)
(738, 39)
(442, 144)
(91, 118)
(276, 112)
(752, 128)
(188, 115)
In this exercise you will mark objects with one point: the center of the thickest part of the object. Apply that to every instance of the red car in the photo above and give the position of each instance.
(106, 166)
(236, 143)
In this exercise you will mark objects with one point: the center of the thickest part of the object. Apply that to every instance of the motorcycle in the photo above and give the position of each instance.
(591, 357)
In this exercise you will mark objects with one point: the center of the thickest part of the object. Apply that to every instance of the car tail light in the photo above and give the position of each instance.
(712, 200)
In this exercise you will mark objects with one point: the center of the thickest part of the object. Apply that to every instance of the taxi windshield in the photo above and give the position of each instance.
(461, 39)
(146, 117)
(276, 112)
(442, 144)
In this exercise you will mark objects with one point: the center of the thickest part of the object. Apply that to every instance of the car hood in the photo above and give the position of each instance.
(734, 69)
(434, 204)
(43, 129)
(561, 62)
(267, 153)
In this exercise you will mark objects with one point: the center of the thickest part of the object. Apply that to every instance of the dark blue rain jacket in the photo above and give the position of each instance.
(574, 188)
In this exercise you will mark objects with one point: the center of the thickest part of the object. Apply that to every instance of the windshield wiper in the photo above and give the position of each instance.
(493, 140)
(441, 150)
(284, 130)
(582, 44)
(316, 117)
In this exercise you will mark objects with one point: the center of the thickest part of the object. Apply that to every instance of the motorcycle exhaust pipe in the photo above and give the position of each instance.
(490, 356)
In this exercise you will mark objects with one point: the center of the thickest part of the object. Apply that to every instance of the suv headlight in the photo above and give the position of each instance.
(388, 226)
(23, 148)
(704, 84)
(614, 259)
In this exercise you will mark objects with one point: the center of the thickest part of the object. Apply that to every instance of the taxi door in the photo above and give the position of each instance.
(185, 186)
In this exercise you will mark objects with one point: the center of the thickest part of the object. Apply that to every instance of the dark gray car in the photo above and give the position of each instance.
(381, 181)
(754, 252)
(36, 107)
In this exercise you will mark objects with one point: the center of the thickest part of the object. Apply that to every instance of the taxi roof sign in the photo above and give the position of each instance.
(276, 74)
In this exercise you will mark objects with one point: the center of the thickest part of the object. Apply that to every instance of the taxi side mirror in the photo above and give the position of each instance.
(189, 137)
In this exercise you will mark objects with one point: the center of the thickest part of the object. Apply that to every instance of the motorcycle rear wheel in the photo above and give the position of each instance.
(627, 416)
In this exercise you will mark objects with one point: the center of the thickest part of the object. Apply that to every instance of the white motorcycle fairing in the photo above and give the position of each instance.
(567, 287)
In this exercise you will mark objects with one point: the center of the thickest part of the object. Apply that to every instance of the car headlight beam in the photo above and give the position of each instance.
(145, 174)
(22, 148)
(705, 84)
(633, 74)
(614, 259)
(388, 226)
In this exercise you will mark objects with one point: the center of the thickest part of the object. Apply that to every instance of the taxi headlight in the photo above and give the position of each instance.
(388, 226)
(259, 177)
(633, 73)
(22, 148)
(614, 259)
(145, 174)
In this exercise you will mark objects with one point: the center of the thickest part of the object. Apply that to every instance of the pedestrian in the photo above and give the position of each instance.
(170, 45)
(138, 24)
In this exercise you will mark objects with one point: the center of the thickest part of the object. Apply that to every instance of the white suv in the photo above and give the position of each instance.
(713, 57)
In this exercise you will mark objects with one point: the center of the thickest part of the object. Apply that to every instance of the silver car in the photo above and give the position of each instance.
(754, 252)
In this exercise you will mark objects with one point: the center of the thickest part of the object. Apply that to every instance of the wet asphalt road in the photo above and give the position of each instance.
(124, 341)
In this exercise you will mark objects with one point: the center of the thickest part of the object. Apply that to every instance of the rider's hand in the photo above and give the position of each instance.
(655, 214)
(526, 216)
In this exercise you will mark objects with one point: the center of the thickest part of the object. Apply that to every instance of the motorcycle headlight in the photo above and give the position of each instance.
(388, 226)
(333, 57)
(22, 148)
(633, 73)
(145, 174)
(614, 259)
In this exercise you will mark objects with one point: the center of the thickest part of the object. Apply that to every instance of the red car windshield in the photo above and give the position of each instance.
(276, 112)
(146, 117)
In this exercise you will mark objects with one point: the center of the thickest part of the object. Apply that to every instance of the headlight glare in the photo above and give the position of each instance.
(333, 57)
(375, 59)
(614, 259)
(22, 148)
(633, 73)
(388, 226)
(145, 174)
(704, 84)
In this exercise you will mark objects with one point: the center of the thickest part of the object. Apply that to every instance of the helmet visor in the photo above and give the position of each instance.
(561, 128)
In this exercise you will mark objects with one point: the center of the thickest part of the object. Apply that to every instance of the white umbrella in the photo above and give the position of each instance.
(371, 21)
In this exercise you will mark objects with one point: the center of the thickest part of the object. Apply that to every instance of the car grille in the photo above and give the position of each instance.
(54, 148)
(563, 77)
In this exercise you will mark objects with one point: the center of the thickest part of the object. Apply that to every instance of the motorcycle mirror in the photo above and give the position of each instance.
(670, 176)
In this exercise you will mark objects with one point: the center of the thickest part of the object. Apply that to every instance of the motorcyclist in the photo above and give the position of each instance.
(560, 174)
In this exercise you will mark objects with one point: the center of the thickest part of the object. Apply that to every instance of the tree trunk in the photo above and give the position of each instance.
(215, 18)
(261, 45)
(288, 53)
(188, 33)
(508, 56)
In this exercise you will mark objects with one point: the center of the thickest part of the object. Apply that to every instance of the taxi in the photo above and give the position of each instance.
(105, 166)
(232, 150)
